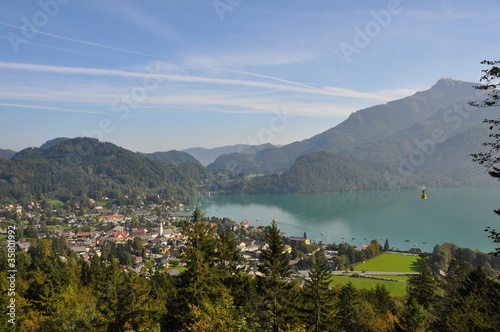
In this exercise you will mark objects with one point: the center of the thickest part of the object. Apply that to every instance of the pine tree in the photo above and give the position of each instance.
(414, 317)
(202, 301)
(423, 286)
(477, 306)
(349, 309)
(384, 304)
(275, 267)
(386, 245)
(317, 296)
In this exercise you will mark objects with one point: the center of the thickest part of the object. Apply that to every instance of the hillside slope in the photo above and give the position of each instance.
(324, 172)
(74, 167)
(399, 121)
(173, 157)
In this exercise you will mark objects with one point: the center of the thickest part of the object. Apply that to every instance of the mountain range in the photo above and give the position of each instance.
(426, 138)
(207, 156)
(430, 134)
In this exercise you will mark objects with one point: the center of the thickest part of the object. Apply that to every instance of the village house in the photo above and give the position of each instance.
(119, 236)
(80, 250)
(118, 218)
(296, 241)
(23, 245)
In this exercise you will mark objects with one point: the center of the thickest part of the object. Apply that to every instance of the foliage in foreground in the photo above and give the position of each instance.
(215, 294)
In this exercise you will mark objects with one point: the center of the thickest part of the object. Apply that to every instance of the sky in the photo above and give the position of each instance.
(161, 75)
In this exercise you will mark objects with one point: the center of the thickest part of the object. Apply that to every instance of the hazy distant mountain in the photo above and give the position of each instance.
(207, 156)
(385, 133)
(171, 157)
(451, 162)
(6, 153)
(425, 138)
(74, 167)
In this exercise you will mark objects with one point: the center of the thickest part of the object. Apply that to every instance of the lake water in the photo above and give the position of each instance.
(457, 215)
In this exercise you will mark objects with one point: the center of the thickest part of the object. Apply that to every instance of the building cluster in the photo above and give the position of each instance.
(163, 241)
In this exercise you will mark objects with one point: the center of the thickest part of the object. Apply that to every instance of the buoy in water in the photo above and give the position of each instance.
(424, 196)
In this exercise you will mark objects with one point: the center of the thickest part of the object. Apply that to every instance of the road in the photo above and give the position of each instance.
(376, 273)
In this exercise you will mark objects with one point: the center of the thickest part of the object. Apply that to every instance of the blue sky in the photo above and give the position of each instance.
(160, 75)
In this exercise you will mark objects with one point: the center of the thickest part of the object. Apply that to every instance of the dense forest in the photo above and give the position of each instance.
(72, 168)
(57, 291)
(322, 172)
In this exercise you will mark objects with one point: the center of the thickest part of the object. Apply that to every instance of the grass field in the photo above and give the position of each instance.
(394, 287)
(388, 262)
(405, 278)
(56, 202)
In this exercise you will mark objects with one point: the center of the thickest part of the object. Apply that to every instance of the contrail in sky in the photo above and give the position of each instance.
(51, 108)
(191, 79)
(84, 42)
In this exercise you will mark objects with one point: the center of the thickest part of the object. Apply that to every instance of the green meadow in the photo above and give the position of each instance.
(388, 263)
(395, 288)
(56, 202)
(383, 263)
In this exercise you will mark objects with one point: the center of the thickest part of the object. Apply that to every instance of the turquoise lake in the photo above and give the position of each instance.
(457, 215)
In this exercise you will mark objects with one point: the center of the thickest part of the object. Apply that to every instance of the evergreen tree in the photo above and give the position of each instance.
(423, 286)
(202, 301)
(386, 245)
(275, 268)
(477, 308)
(414, 317)
(384, 304)
(317, 296)
(349, 316)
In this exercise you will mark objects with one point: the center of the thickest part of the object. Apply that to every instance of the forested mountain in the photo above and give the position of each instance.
(171, 157)
(5, 153)
(425, 138)
(323, 172)
(85, 166)
(52, 142)
(236, 162)
(207, 156)
(390, 133)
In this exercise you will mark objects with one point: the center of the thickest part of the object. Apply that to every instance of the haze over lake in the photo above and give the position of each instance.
(456, 215)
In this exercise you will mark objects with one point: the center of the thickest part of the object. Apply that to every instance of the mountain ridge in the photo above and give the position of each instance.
(74, 167)
(369, 125)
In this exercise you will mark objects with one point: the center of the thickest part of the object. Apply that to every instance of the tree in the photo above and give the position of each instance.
(476, 307)
(386, 245)
(384, 304)
(202, 302)
(414, 317)
(423, 286)
(318, 298)
(275, 268)
(491, 84)
(350, 314)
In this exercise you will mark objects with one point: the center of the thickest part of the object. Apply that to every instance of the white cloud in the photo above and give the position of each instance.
(155, 73)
